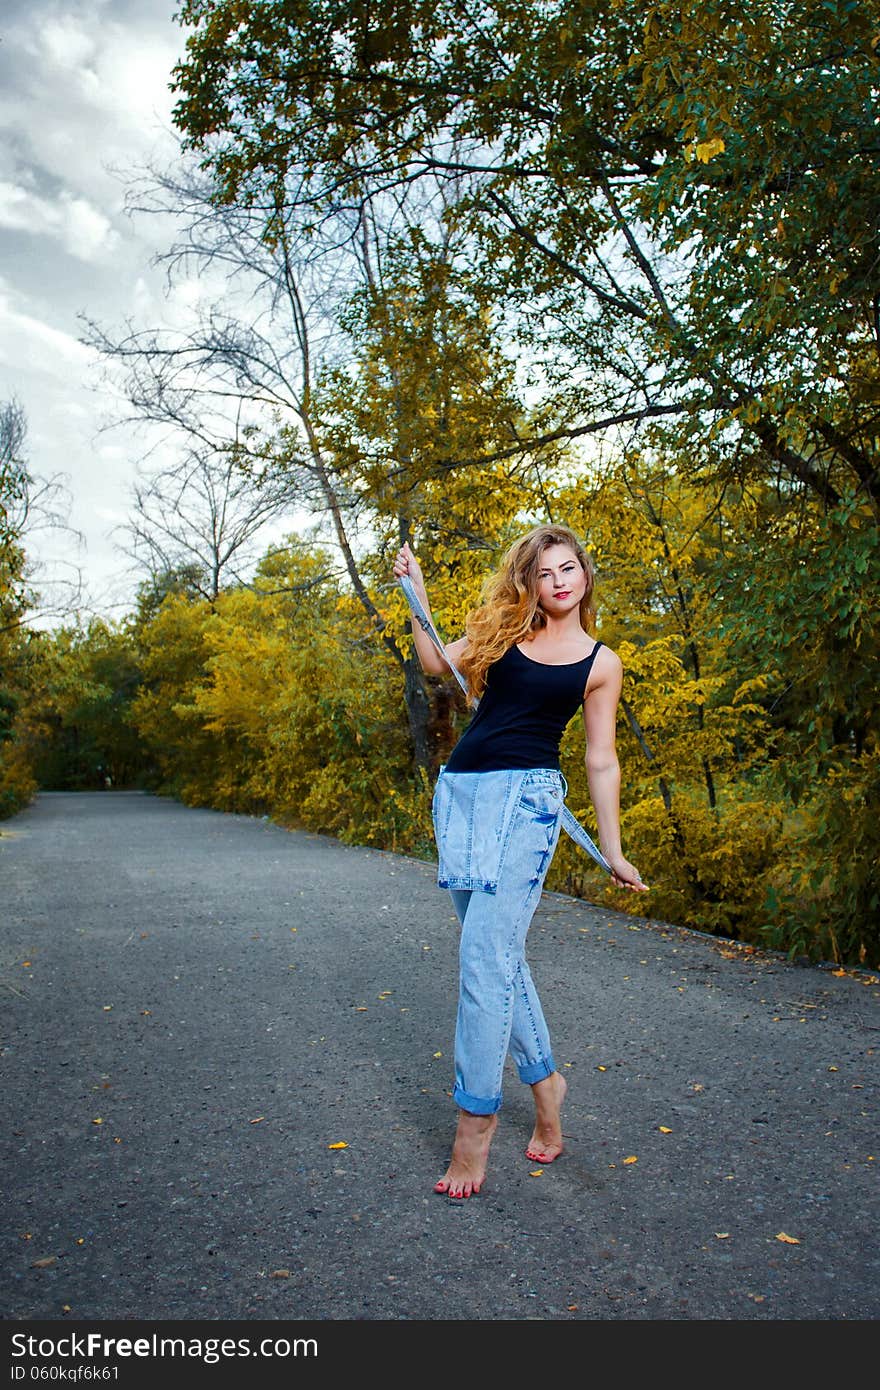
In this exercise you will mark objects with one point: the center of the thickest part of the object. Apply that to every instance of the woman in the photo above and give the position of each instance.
(530, 662)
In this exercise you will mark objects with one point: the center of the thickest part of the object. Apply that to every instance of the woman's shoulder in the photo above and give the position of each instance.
(606, 671)
(605, 655)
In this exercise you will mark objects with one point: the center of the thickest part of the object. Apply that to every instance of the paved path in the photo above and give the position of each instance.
(199, 1006)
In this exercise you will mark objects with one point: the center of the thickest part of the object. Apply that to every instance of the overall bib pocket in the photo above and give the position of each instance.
(473, 814)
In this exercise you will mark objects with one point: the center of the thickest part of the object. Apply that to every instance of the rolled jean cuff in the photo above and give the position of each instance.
(537, 1071)
(475, 1105)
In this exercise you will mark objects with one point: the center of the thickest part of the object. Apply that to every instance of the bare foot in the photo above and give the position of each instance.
(546, 1141)
(465, 1174)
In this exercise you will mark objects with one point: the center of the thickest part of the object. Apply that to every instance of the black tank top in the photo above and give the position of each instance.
(522, 714)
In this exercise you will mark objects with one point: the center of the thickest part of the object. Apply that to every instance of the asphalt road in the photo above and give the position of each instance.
(226, 1072)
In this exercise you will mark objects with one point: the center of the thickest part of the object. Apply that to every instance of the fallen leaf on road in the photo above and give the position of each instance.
(722, 1235)
(44, 1263)
(97, 1120)
(341, 1145)
(633, 1158)
(438, 1054)
(280, 1274)
(664, 1129)
(258, 1120)
(787, 1240)
(536, 1172)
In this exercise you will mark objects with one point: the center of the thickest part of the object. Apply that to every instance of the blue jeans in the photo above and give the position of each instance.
(498, 1007)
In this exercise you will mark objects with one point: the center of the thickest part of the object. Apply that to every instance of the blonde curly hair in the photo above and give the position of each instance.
(510, 610)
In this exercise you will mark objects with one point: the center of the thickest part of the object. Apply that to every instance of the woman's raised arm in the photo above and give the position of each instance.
(431, 660)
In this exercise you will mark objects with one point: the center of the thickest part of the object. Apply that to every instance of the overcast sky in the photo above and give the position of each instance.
(84, 101)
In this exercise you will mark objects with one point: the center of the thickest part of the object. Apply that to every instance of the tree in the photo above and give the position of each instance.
(28, 504)
(407, 421)
(276, 699)
(262, 364)
(654, 194)
(15, 504)
(369, 429)
(14, 478)
(808, 638)
(673, 213)
(181, 758)
(694, 730)
(17, 650)
(201, 517)
(79, 716)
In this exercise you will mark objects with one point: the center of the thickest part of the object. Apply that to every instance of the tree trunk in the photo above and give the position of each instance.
(418, 710)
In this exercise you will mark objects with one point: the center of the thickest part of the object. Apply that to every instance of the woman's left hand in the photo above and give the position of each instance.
(405, 563)
(626, 875)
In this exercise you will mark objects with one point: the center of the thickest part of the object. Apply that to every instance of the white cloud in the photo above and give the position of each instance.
(86, 89)
(65, 42)
(28, 343)
(87, 233)
(21, 210)
(67, 410)
(83, 230)
(84, 101)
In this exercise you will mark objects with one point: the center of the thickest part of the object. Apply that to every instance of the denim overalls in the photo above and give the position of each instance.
(496, 833)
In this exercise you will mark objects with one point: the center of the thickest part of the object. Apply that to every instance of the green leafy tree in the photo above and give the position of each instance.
(80, 713)
(654, 194)
(808, 636)
(693, 730)
(408, 423)
(672, 212)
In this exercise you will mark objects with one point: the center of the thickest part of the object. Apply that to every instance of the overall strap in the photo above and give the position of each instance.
(570, 824)
(424, 622)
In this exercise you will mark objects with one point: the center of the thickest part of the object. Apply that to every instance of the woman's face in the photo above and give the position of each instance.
(561, 580)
